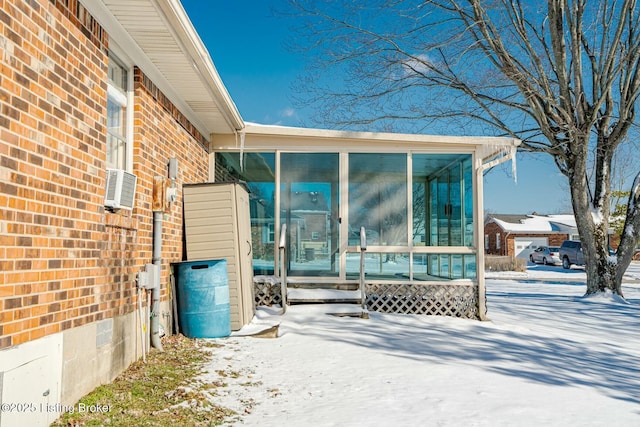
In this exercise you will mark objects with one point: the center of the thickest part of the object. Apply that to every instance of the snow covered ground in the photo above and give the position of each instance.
(548, 357)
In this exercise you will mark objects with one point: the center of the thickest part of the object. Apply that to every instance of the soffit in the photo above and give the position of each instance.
(161, 40)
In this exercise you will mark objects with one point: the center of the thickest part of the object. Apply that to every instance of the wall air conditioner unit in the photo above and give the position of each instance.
(121, 189)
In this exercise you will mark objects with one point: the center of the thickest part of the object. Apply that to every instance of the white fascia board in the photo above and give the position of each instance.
(273, 130)
(273, 137)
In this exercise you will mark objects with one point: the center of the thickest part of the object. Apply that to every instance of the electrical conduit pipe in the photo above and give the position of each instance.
(158, 203)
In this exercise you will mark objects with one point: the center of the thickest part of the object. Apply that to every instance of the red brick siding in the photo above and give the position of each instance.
(314, 222)
(64, 260)
(52, 83)
(491, 229)
(557, 239)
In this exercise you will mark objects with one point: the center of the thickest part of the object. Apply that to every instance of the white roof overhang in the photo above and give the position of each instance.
(492, 150)
(159, 38)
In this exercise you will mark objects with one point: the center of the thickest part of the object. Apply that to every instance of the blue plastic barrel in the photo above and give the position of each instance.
(203, 298)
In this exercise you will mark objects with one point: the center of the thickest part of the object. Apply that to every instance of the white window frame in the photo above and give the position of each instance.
(126, 100)
(498, 240)
(269, 233)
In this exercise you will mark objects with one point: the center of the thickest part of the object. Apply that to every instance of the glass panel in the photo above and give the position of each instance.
(116, 131)
(378, 198)
(116, 118)
(116, 115)
(443, 266)
(258, 171)
(377, 266)
(456, 267)
(454, 211)
(115, 152)
(442, 200)
(433, 212)
(467, 197)
(117, 73)
(420, 212)
(469, 267)
(443, 209)
(309, 197)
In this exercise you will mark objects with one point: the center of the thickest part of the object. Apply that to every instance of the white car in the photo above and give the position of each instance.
(546, 255)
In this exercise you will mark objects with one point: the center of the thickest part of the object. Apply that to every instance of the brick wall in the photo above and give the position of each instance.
(51, 169)
(160, 134)
(64, 260)
(491, 229)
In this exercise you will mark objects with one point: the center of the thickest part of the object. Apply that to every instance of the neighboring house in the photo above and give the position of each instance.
(99, 96)
(519, 235)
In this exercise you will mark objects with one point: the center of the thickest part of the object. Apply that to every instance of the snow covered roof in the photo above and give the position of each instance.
(562, 223)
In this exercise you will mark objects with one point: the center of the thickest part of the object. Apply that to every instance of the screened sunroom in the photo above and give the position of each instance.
(417, 198)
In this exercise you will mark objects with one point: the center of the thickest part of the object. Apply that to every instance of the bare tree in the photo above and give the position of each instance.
(561, 76)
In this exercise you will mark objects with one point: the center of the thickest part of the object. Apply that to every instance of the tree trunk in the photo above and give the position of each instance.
(604, 271)
(630, 237)
(593, 227)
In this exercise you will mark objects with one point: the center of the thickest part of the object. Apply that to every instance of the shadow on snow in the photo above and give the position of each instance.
(543, 349)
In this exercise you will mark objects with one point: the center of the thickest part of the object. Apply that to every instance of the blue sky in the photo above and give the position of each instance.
(246, 41)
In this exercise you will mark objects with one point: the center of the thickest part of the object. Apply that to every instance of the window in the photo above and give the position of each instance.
(497, 240)
(442, 200)
(270, 233)
(486, 241)
(378, 197)
(117, 106)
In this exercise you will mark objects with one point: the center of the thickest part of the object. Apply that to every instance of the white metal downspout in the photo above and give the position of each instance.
(158, 208)
(155, 293)
(480, 169)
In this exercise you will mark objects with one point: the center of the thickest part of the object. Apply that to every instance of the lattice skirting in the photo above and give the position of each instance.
(406, 298)
(440, 299)
(266, 290)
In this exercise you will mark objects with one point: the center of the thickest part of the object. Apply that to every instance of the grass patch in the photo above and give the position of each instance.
(161, 392)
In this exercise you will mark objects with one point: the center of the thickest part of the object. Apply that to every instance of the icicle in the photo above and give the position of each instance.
(514, 166)
(242, 134)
